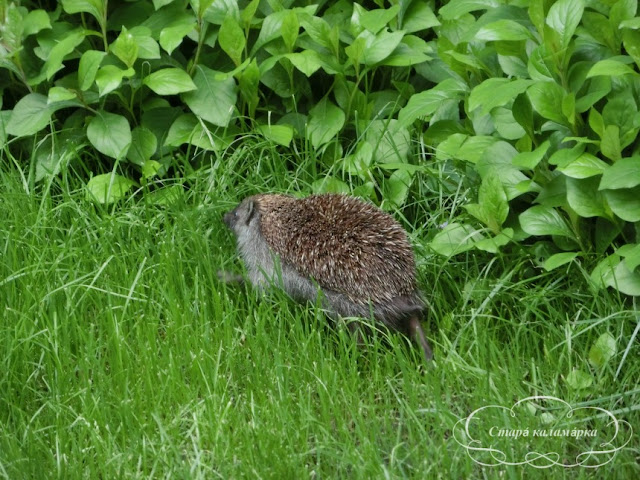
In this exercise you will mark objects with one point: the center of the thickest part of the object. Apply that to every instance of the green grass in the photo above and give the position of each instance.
(123, 356)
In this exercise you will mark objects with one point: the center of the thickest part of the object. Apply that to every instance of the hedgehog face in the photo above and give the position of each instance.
(240, 216)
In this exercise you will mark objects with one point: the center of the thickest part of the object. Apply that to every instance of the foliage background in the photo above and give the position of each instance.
(505, 132)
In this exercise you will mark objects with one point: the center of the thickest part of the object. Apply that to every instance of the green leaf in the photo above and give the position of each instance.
(30, 115)
(96, 8)
(625, 173)
(143, 146)
(496, 92)
(290, 29)
(60, 94)
(492, 208)
(125, 48)
(557, 260)
(380, 46)
(631, 254)
(171, 37)
(150, 169)
(148, 48)
(563, 17)
(325, 121)
(391, 142)
(610, 142)
(418, 17)
(603, 350)
(625, 203)
(546, 99)
(61, 49)
(169, 81)
(187, 128)
(88, 67)
(110, 77)
(585, 199)
(529, 160)
(108, 188)
(425, 103)
(306, 61)
(585, 166)
(624, 280)
(611, 68)
(457, 8)
(503, 30)
(35, 21)
(376, 20)
(214, 100)
(280, 134)
(454, 238)
(543, 220)
(579, 380)
(396, 187)
(329, 184)
(492, 245)
(231, 39)
(110, 134)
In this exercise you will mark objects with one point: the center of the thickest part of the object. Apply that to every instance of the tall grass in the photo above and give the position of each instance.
(123, 356)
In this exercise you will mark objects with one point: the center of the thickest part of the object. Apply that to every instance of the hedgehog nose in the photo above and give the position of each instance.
(226, 218)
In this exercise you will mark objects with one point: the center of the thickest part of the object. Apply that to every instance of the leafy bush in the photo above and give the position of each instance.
(140, 80)
(550, 94)
(531, 104)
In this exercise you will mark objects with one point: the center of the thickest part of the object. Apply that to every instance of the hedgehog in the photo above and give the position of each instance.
(357, 257)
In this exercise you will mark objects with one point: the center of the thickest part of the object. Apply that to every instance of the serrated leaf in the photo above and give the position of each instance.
(88, 67)
(496, 92)
(214, 100)
(493, 200)
(543, 220)
(603, 350)
(169, 81)
(625, 173)
(108, 188)
(109, 133)
(325, 122)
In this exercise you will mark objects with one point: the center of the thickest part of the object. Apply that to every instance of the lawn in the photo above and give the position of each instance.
(123, 356)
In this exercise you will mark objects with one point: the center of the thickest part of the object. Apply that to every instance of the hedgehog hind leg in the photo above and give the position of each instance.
(416, 333)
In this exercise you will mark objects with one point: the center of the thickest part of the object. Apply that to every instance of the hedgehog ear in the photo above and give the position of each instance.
(251, 211)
